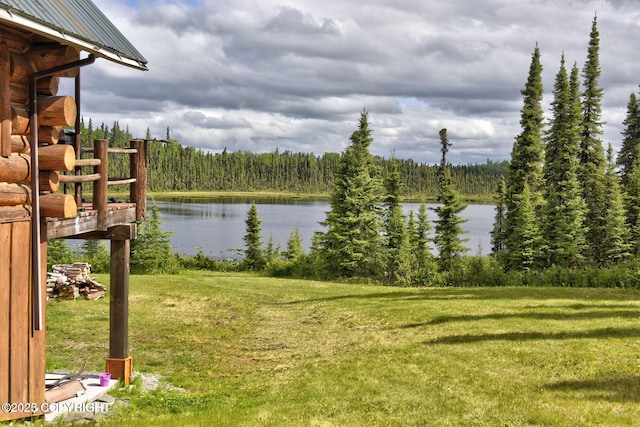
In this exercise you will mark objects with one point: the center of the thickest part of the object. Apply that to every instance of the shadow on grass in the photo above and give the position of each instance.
(610, 389)
(583, 315)
(529, 336)
(495, 293)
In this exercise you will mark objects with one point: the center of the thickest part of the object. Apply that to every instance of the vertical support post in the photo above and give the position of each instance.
(5, 106)
(138, 190)
(119, 361)
(100, 186)
(78, 139)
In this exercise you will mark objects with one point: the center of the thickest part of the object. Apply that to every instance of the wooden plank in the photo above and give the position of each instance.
(37, 341)
(5, 298)
(19, 314)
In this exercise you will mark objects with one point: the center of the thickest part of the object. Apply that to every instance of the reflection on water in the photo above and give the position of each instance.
(217, 224)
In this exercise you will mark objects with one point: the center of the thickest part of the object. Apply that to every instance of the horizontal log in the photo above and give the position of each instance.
(56, 205)
(48, 86)
(88, 162)
(49, 181)
(14, 194)
(18, 94)
(49, 55)
(66, 179)
(16, 42)
(58, 157)
(121, 181)
(20, 144)
(50, 134)
(15, 168)
(122, 150)
(57, 111)
(19, 120)
(20, 69)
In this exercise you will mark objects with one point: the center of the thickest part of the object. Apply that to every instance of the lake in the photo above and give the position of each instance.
(217, 225)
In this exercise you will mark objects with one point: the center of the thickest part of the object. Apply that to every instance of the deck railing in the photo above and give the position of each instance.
(101, 180)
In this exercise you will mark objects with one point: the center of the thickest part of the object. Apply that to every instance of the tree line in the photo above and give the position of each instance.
(173, 167)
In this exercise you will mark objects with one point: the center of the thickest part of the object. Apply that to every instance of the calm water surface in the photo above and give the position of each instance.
(217, 226)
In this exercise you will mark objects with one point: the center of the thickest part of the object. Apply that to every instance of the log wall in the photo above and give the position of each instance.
(22, 347)
(19, 59)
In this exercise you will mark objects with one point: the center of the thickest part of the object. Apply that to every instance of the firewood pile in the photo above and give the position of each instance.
(72, 281)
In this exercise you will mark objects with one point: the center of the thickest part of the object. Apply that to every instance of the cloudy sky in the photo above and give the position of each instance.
(294, 75)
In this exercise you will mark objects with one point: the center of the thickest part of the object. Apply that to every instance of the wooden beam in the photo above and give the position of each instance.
(119, 302)
(87, 222)
(119, 232)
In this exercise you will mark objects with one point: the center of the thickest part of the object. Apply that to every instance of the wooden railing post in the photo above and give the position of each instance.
(100, 186)
(138, 166)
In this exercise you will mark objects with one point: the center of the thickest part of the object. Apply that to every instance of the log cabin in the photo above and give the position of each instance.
(42, 42)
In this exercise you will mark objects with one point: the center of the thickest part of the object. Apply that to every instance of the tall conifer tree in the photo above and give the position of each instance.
(632, 203)
(525, 169)
(398, 249)
(615, 246)
(351, 246)
(592, 161)
(631, 138)
(564, 207)
(498, 233)
(448, 225)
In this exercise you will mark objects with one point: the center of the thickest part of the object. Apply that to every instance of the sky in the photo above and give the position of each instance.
(261, 75)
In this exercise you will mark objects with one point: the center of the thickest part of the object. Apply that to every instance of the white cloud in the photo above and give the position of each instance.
(294, 75)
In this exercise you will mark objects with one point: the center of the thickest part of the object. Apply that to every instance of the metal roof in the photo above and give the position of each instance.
(76, 22)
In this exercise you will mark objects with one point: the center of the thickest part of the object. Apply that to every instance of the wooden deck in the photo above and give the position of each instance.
(87, 221)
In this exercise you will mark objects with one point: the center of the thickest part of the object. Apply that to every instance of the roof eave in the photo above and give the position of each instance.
(69, 39)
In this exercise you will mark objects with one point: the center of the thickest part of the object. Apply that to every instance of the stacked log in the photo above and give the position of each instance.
(73, 280)
(19, 59)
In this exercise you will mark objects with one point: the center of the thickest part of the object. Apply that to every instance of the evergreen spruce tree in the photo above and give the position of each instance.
(631, 139)
(351, 246)
(564, 208)
(59, 252)
(525, 255)
(151, 250)
(632, 203)
(592, 161)
(294, 245)
(254, 257)
(398, 251)
(95, 252)
(497, 233)
(448, 225)
(615, 246)
(525, 169)
(272, 251)
(420, 229)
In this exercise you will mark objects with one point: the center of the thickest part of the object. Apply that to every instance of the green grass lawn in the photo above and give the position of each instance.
(245, 350)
